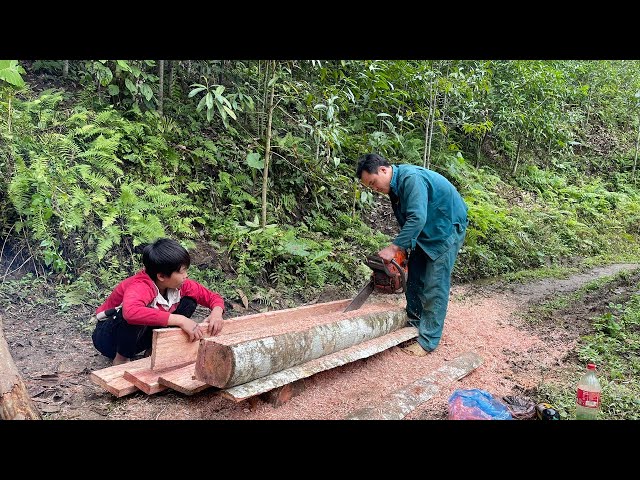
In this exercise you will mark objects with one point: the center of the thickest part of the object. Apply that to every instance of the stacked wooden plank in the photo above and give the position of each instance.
(260, 352)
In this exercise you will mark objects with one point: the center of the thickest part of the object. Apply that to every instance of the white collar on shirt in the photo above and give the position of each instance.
(173, 297)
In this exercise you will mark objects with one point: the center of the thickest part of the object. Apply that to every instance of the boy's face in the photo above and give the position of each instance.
(175, 280)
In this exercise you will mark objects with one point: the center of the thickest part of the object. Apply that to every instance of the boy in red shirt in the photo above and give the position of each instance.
(160, 295)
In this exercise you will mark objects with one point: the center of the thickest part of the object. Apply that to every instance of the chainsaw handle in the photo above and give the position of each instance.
(403, 275)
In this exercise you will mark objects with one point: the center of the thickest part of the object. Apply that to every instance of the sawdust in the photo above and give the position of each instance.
(484, 319)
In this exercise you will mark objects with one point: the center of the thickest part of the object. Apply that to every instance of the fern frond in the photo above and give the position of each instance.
(146, 228)
(107, 117)
(78, 118)
(95, 181)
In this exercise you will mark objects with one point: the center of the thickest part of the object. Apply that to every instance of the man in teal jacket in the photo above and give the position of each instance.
(433, 223)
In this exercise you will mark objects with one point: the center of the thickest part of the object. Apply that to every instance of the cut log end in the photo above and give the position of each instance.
(215, 364)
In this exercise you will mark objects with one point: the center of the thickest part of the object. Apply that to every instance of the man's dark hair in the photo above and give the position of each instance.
(165, 255)
(370, 164)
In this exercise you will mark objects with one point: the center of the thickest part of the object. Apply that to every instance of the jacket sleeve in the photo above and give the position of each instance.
(414, 199)
(135, 309)
(201, 294)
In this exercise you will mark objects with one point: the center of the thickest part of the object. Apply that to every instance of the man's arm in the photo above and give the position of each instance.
(415, 200)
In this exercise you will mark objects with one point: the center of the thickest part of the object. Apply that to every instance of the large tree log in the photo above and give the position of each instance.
(304, 370)
(171, 346)
(15, 401)
(230, 361)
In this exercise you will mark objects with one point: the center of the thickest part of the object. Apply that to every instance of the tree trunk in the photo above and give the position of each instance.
(171, 73)
(267, 152)
(635, 159)
(586, 122)
(443, 117)
(515, 164)
(9, 122)
(264, 97)
(479, 151)
(15, 401)
(171, 347)
(65, 68)
(161, 85)
(426, 128)
(426, 140)
(433, 120)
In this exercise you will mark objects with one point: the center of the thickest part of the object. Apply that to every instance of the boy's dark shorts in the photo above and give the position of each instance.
(104, 336)
(115, 335)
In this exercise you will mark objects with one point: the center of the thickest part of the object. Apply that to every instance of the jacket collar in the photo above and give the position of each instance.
(394, 180)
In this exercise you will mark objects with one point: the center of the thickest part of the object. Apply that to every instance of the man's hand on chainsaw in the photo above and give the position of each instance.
(388, 253)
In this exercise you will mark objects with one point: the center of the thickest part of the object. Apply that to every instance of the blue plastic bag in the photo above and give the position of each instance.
(476, 404)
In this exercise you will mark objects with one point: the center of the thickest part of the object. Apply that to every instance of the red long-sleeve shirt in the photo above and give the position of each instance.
(138, 296)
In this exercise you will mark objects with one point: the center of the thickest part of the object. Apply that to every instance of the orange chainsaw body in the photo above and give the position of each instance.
(385, 278)
(389, 277)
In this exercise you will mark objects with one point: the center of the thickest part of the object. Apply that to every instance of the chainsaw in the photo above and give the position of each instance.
(385, 278)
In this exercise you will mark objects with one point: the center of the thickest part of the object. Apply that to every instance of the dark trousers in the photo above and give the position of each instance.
(428, 285)
(114, 335)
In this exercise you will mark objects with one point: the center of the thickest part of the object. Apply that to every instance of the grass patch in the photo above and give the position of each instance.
(613, 345)
(539, 273)
(565, 301)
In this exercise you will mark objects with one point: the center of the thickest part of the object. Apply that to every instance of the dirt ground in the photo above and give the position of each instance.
(55, 355)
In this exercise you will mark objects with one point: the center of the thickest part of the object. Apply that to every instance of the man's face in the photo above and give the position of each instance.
(380, 182)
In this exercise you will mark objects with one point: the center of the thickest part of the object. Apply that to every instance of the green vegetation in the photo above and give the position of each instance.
(536, 273)
(613, 344)
(250, 164)
(253, 161)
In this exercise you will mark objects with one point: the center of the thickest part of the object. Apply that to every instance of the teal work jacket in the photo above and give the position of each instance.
(427, 207)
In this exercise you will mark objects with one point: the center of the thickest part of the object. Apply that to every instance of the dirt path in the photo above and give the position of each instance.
(56, 356)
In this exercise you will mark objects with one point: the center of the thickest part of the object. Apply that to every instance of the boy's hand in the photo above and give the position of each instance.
(214, 321)
(192, 329)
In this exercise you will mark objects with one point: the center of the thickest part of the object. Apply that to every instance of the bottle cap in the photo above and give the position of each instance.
(591, 366)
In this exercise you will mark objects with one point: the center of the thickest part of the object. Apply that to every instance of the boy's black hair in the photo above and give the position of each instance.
(370, 164)
(165, 255)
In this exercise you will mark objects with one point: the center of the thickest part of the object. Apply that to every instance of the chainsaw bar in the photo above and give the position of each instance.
(361, 297)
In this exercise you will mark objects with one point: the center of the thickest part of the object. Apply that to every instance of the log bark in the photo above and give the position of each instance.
(304, 370)
(227, 362)
(15, 401)
(171, 346)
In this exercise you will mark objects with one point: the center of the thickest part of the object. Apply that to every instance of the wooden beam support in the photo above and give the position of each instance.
(398, 404)
(281, 395)
(226, 362)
